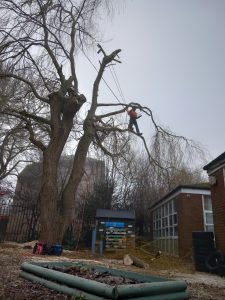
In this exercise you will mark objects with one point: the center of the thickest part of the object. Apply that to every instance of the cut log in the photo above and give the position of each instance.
(129, 260)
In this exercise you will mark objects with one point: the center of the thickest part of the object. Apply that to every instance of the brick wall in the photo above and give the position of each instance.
(218, 205)
(190, 218)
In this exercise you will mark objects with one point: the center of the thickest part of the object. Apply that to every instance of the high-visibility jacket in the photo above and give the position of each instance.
(133, 114)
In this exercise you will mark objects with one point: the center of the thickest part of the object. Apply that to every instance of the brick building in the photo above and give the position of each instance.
(23, 222)
(185, 209)
(216, 172)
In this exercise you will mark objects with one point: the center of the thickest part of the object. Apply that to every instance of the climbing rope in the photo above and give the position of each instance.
(115, 78)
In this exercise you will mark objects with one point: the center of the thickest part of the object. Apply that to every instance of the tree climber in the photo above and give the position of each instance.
(133, 120)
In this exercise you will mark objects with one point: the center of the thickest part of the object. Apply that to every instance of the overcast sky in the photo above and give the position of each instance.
(173, 60)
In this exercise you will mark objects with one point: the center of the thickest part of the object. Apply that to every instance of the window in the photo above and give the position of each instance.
(171, 231)
(174, 205)
(209, 228)
(208, 218)
(166, 209)
(208, 214)
(165, 227)
(175, 231)
(175, 219)
(170, 207)
(207, 203)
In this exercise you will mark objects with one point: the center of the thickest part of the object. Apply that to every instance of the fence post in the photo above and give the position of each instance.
(101, 247)
(93, 241)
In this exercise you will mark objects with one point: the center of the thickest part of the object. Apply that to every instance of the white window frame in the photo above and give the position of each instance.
(161, 233)
(205, 211)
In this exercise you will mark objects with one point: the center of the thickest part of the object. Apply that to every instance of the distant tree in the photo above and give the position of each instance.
(13, 148)
(177, 165)
(99, 197)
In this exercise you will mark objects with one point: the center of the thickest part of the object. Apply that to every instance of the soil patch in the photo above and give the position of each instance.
(92, 274)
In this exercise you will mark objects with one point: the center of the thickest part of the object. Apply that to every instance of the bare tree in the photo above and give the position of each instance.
(176, 165)
(39, 40)
(12, 150)
(14, 144)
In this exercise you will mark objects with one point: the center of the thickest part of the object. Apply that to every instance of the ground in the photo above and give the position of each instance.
(202, 286)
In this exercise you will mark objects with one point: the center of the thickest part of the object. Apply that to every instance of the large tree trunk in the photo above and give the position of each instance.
(53, 219)
(58, 213)
(69, 193)
(49, 214)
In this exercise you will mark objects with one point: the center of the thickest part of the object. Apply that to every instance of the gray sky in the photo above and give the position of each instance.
(173, 60)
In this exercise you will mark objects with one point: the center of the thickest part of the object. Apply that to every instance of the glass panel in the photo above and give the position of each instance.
(207, 203)
(163, 211)
(159, 212)
(175, 219)
(167, 231)
(170, 220)
(171, 231)
(175, 205)
(158, 224)
(170, 207)
(166, 221)
(175, 231)
(209, 228)
(209, 218)
(166, 207)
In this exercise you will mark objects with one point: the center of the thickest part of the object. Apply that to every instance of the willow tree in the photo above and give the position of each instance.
(39, 42)
(14, 144)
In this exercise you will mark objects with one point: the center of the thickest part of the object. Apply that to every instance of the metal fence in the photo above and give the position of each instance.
(20, 223)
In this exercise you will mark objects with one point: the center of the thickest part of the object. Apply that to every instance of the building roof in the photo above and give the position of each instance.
(35, 169)
(197, 186)
(115, 214)
(216, 162)
(31, 170)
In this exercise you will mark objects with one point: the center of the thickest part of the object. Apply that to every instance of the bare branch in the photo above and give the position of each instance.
(11, 75)
(107, 59)
(105, 151)
(110, 114)
(33, 140)
(34, 117)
